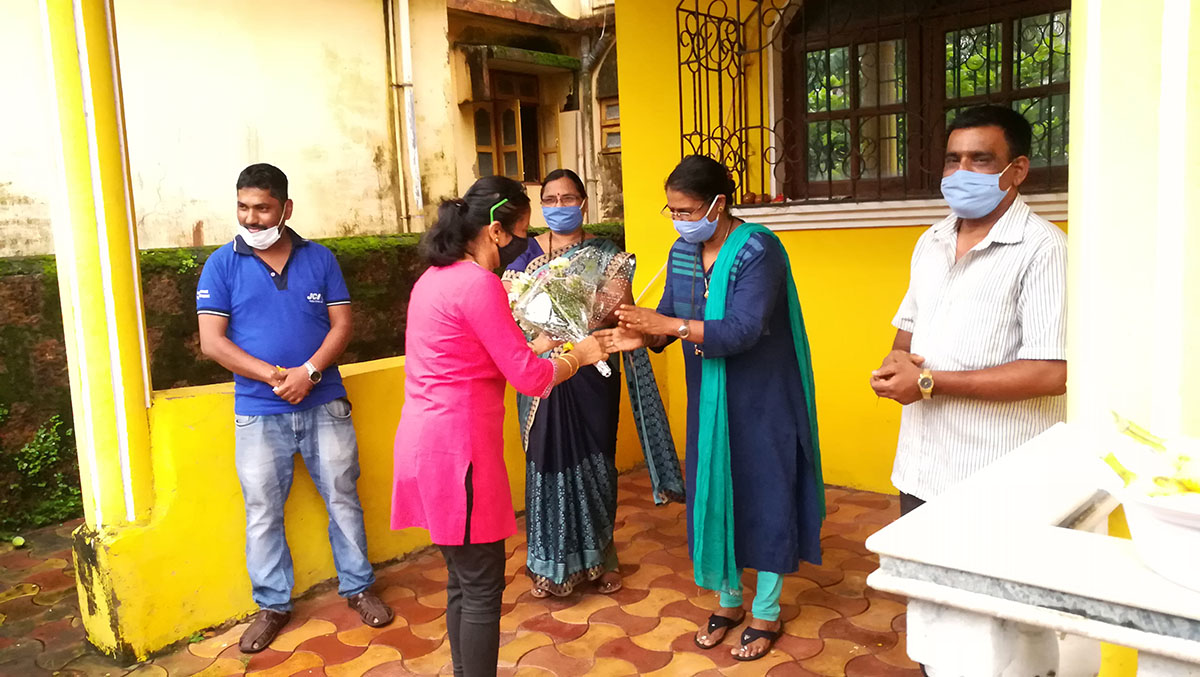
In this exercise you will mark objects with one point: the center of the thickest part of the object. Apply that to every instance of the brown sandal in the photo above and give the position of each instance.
(373, 611)
(263, 630)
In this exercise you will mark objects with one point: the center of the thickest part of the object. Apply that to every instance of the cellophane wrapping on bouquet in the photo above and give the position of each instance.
(569, 298)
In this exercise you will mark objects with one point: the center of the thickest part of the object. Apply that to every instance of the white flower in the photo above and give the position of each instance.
(559, 263)
(539, 309)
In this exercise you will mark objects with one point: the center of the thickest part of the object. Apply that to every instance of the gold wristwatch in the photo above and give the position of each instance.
(925, 383)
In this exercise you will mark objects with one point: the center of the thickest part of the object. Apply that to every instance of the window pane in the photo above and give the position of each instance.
(551, 160)
(1042, 50)
(512, 167)
(973, 61)
(529, 144)
(483, 128)
(505, 85)
(612, 140)
(487, 166)
(1048, 115)
(881, 73)
(829, 150)
(612, 111)
(508, 127)
(828, 76)
(549, 130)
(881, 147)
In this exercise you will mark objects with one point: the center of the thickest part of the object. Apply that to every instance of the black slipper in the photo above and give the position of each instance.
(717, 622)
(753, 634)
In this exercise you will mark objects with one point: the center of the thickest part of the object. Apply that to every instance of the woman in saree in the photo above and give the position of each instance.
(570, 436)
(754, 489)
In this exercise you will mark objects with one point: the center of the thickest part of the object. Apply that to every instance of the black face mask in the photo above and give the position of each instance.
(513, 250)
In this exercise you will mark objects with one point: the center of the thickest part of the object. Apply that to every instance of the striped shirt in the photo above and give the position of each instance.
(1004, 300)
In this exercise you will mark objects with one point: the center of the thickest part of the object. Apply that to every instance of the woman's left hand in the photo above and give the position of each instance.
(543, 343)
(646, 321)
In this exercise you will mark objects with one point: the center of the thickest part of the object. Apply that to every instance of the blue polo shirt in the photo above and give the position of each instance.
(280, 318)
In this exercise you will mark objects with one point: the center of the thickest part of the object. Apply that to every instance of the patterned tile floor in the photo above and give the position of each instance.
(835, 625)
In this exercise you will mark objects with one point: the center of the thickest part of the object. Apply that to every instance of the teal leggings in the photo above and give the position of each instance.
(766, 599)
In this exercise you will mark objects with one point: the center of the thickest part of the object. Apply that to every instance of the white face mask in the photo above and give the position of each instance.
(262, 239)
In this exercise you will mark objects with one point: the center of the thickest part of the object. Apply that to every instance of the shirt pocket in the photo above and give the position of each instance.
(984, 318)
(309, 295)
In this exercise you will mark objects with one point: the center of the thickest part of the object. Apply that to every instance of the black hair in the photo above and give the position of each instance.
(460, 220)
(702, 178)
(1017, 130)
(565, 174)
(266, 177)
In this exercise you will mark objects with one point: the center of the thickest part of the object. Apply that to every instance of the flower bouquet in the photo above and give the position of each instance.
(570, 297)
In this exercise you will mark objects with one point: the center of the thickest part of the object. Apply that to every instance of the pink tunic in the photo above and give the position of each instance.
(461, 345)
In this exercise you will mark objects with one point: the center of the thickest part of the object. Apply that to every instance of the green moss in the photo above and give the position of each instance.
(174, 260)
(351, 247)
(28, 265)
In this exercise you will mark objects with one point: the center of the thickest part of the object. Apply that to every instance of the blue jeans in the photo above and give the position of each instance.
(265, 446)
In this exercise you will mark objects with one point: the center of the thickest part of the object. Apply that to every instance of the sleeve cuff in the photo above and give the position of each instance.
(1041, 353)
(212, 311)
(558, 365)
(343, 302)
(903, 323)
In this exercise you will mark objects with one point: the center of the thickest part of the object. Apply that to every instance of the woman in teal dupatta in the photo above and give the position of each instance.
(570, 437)
(754, 489)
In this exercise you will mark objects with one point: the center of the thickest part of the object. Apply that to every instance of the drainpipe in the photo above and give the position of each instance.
(587, 74)
(400, 72)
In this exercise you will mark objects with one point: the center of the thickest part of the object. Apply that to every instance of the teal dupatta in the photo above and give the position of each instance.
(712, 509)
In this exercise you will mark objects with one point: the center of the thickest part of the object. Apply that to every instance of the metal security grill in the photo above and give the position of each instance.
(849, 99)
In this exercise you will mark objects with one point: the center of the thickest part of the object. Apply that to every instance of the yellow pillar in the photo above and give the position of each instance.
(1134, 275)
(1135, 231)
(96, 252)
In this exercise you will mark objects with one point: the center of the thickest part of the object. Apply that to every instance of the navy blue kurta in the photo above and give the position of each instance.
(776, 518)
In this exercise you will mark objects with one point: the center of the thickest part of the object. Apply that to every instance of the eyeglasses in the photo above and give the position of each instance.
(562, 201)
(689, 215)
(686, 215)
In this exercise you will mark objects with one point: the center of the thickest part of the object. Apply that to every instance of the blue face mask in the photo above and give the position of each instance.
(972, 195)
(698, 231)
(563, 220)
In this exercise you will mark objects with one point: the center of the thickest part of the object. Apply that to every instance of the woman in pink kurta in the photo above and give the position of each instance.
(462, 345)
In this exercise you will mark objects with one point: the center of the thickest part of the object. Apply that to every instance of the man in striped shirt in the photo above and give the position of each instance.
(979, 359)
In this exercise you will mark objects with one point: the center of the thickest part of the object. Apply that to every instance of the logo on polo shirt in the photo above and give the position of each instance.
(201, 294)
(315, 297)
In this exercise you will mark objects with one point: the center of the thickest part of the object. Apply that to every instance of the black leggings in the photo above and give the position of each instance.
(474, 591)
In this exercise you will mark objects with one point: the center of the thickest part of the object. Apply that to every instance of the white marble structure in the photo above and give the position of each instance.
(1006, 572)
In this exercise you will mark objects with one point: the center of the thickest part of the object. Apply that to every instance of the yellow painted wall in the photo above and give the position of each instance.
(25, 166)
(184, 569)
(850, 281)
(212, 86)
(436, 105)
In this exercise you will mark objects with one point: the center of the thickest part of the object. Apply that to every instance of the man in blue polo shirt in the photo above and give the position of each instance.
(273, 309)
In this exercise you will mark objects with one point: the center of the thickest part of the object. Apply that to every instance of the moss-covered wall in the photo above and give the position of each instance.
(379, 272)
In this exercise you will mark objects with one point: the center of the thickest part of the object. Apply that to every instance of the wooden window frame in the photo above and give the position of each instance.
(608, 126)
(925, 105)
